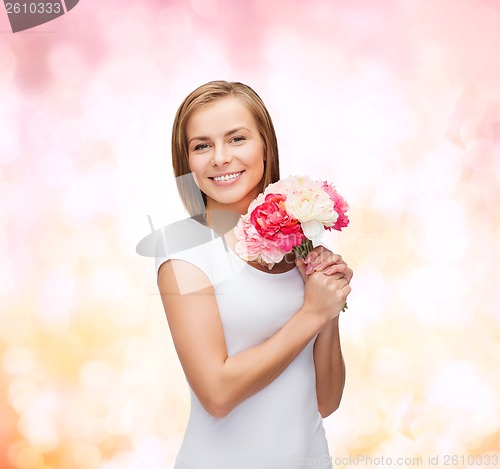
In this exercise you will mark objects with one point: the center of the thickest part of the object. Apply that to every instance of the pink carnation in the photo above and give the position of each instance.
(339, 205)
(253, 247)
(272, 222)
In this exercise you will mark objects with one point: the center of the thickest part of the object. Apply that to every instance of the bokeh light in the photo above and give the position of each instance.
(397, 104)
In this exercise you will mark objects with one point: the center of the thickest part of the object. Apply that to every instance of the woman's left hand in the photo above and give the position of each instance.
(321, 259)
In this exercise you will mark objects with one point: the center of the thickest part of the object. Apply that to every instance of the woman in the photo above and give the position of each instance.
(260, 348)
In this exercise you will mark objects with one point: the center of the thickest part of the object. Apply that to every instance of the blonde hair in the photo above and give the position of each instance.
(202, 96)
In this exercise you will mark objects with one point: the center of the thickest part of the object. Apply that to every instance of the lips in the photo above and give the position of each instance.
(226, 176)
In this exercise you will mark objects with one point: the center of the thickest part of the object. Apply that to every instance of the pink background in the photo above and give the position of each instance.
(397, 102)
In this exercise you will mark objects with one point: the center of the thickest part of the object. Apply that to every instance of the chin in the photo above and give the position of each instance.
(231, 199)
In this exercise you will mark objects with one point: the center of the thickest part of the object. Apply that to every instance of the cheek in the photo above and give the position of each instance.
(259, 161)
(260, 165)
(256, 155)
(193, 167)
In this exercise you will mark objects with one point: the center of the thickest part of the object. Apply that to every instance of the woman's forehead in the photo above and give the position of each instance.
(220, 116)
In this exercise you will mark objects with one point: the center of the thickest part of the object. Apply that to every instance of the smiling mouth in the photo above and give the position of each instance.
(227, 177)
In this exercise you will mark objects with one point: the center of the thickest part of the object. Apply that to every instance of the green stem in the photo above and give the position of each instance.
(303, 249)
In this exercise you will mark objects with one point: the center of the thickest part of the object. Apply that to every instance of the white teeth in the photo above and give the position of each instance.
(227, 177)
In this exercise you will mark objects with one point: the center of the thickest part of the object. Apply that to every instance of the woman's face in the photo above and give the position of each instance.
(223, 140)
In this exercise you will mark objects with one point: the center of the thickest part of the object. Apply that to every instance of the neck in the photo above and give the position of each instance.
(222, 221)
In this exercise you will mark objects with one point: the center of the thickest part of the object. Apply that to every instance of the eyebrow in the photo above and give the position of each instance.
(227, 134)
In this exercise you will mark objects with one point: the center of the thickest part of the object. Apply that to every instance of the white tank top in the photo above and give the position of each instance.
(279, 427)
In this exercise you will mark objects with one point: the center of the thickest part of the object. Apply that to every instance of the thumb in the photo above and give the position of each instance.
(301, 265)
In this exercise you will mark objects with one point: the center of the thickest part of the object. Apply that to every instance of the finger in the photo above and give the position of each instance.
(334, 276)
(325, 259)
(301, 266)
(317, 251)
(342, 283)
(348, 274)
(332, 269)
(312, 256)
(326, 253)
(346, 289)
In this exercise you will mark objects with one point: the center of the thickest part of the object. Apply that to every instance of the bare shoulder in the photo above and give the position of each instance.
(180, 277)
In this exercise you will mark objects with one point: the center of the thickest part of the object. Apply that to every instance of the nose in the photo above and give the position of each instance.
(221, 155)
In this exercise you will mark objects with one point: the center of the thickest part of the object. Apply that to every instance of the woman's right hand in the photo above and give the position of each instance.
(324, 295)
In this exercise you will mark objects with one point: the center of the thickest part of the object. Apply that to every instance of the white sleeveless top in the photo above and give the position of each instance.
(279, 427)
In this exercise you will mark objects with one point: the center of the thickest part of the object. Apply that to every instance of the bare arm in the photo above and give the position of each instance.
(221, 382)
(328, 359)
(330, 368)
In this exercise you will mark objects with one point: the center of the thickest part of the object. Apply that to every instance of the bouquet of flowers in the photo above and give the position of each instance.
(289, 215)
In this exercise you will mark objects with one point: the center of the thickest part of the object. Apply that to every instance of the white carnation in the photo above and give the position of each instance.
(311, 205)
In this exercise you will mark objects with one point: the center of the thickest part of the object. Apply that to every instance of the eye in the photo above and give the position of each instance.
(237, 139)
(201, 146)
